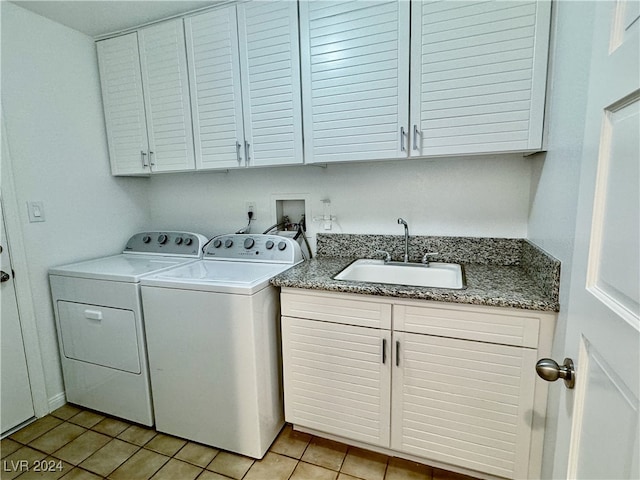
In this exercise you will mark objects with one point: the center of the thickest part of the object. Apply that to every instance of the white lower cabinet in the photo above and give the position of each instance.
(337, 380)
(362, 370)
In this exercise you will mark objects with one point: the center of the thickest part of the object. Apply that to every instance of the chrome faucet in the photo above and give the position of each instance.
(406, 239)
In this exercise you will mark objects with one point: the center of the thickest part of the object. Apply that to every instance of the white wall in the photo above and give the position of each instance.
(53, 112)
(475, 196)
(556, 179)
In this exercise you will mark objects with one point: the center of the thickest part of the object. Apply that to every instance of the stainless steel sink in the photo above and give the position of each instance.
(436, 274)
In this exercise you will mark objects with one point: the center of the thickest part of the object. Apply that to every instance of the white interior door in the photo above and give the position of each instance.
(601, 424)
(15, 390)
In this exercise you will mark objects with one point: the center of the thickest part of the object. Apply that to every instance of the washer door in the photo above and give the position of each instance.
(99, 335)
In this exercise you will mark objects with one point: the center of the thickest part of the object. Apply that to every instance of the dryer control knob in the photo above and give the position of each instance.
(162, 239)
(269, 244)
(188, 241)
(179, 241)
(217, 243)
(248, 243)
(146, 239)
(228, 243)
(282, 245)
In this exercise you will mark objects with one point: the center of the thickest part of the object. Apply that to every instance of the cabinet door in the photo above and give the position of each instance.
(166, 91)
(216, 96)
(355, 78)
(478, 76)
(337, 378)
(123, 102)
(464, 403)
(270, 72)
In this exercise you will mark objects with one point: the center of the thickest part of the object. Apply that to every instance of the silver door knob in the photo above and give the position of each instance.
(550, 371)
(4, 276)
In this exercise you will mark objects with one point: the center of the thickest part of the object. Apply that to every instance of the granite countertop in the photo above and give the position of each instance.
(518, 284)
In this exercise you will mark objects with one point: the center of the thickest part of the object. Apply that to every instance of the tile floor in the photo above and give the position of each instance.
(77, 444)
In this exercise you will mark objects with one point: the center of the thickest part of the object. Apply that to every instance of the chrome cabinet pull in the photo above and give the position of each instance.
(384, 351)
(143, 156)
(247, 152)
(238, 147)
(397, 353)
(416, 132)
(402, 135)
(153, 163)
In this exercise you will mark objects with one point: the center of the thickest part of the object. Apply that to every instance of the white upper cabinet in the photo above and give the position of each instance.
(216, 96)
(245, 84)
(270, 66)
(355, 77)
(166, 93)
(145, 95)
(123, 101)
(478, 76)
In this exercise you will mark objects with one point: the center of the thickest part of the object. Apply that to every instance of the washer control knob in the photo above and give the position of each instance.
(188, 241)
(146, 239)
(217, 243)
(282, 245)
(162, 239)
(178, 240)
(228, 243)
(269, 244)
(248, 243)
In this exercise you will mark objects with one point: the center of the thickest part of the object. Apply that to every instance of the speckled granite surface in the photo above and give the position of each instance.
(499, 272)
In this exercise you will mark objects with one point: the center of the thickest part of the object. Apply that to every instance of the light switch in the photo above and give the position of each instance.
(36, 211)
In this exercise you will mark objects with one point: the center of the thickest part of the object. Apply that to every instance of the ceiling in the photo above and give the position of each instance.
(100, 17)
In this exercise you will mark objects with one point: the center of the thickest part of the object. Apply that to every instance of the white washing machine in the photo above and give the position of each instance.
(98, 312)
(214, 345)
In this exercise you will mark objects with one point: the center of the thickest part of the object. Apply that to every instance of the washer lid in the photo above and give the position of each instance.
(217, 276)
(119, 268)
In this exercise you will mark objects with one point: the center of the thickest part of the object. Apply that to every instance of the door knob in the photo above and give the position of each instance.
(4, 276)
(550, 371)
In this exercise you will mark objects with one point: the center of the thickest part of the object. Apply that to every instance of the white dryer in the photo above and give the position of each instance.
(98, 312)
(214, 346)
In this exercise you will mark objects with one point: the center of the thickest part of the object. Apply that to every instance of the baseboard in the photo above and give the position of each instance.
(57, 401)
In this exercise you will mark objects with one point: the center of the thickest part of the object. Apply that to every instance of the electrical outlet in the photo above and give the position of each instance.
(251, 207)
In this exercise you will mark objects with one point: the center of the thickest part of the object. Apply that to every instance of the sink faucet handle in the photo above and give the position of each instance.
(425, 257)
(387, 257)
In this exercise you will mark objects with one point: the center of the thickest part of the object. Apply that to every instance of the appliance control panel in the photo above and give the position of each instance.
(183, 244)
(254, 248)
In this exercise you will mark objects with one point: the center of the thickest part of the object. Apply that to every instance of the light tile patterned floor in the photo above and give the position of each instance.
(78, 444)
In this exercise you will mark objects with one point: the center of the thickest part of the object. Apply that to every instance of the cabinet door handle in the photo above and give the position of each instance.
(384, 351)
(143, 156)
(416, 132)
(397, 354)
(238, 148)
(402, 135)
(151, 154)
(247, 153)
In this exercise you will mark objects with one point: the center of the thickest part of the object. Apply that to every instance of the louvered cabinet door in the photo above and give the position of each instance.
(464, 403)
(270, 66)
(355, 79)
(166, 90)
(337, 379)
(123, 102)
(478, 76)
(216, 96)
